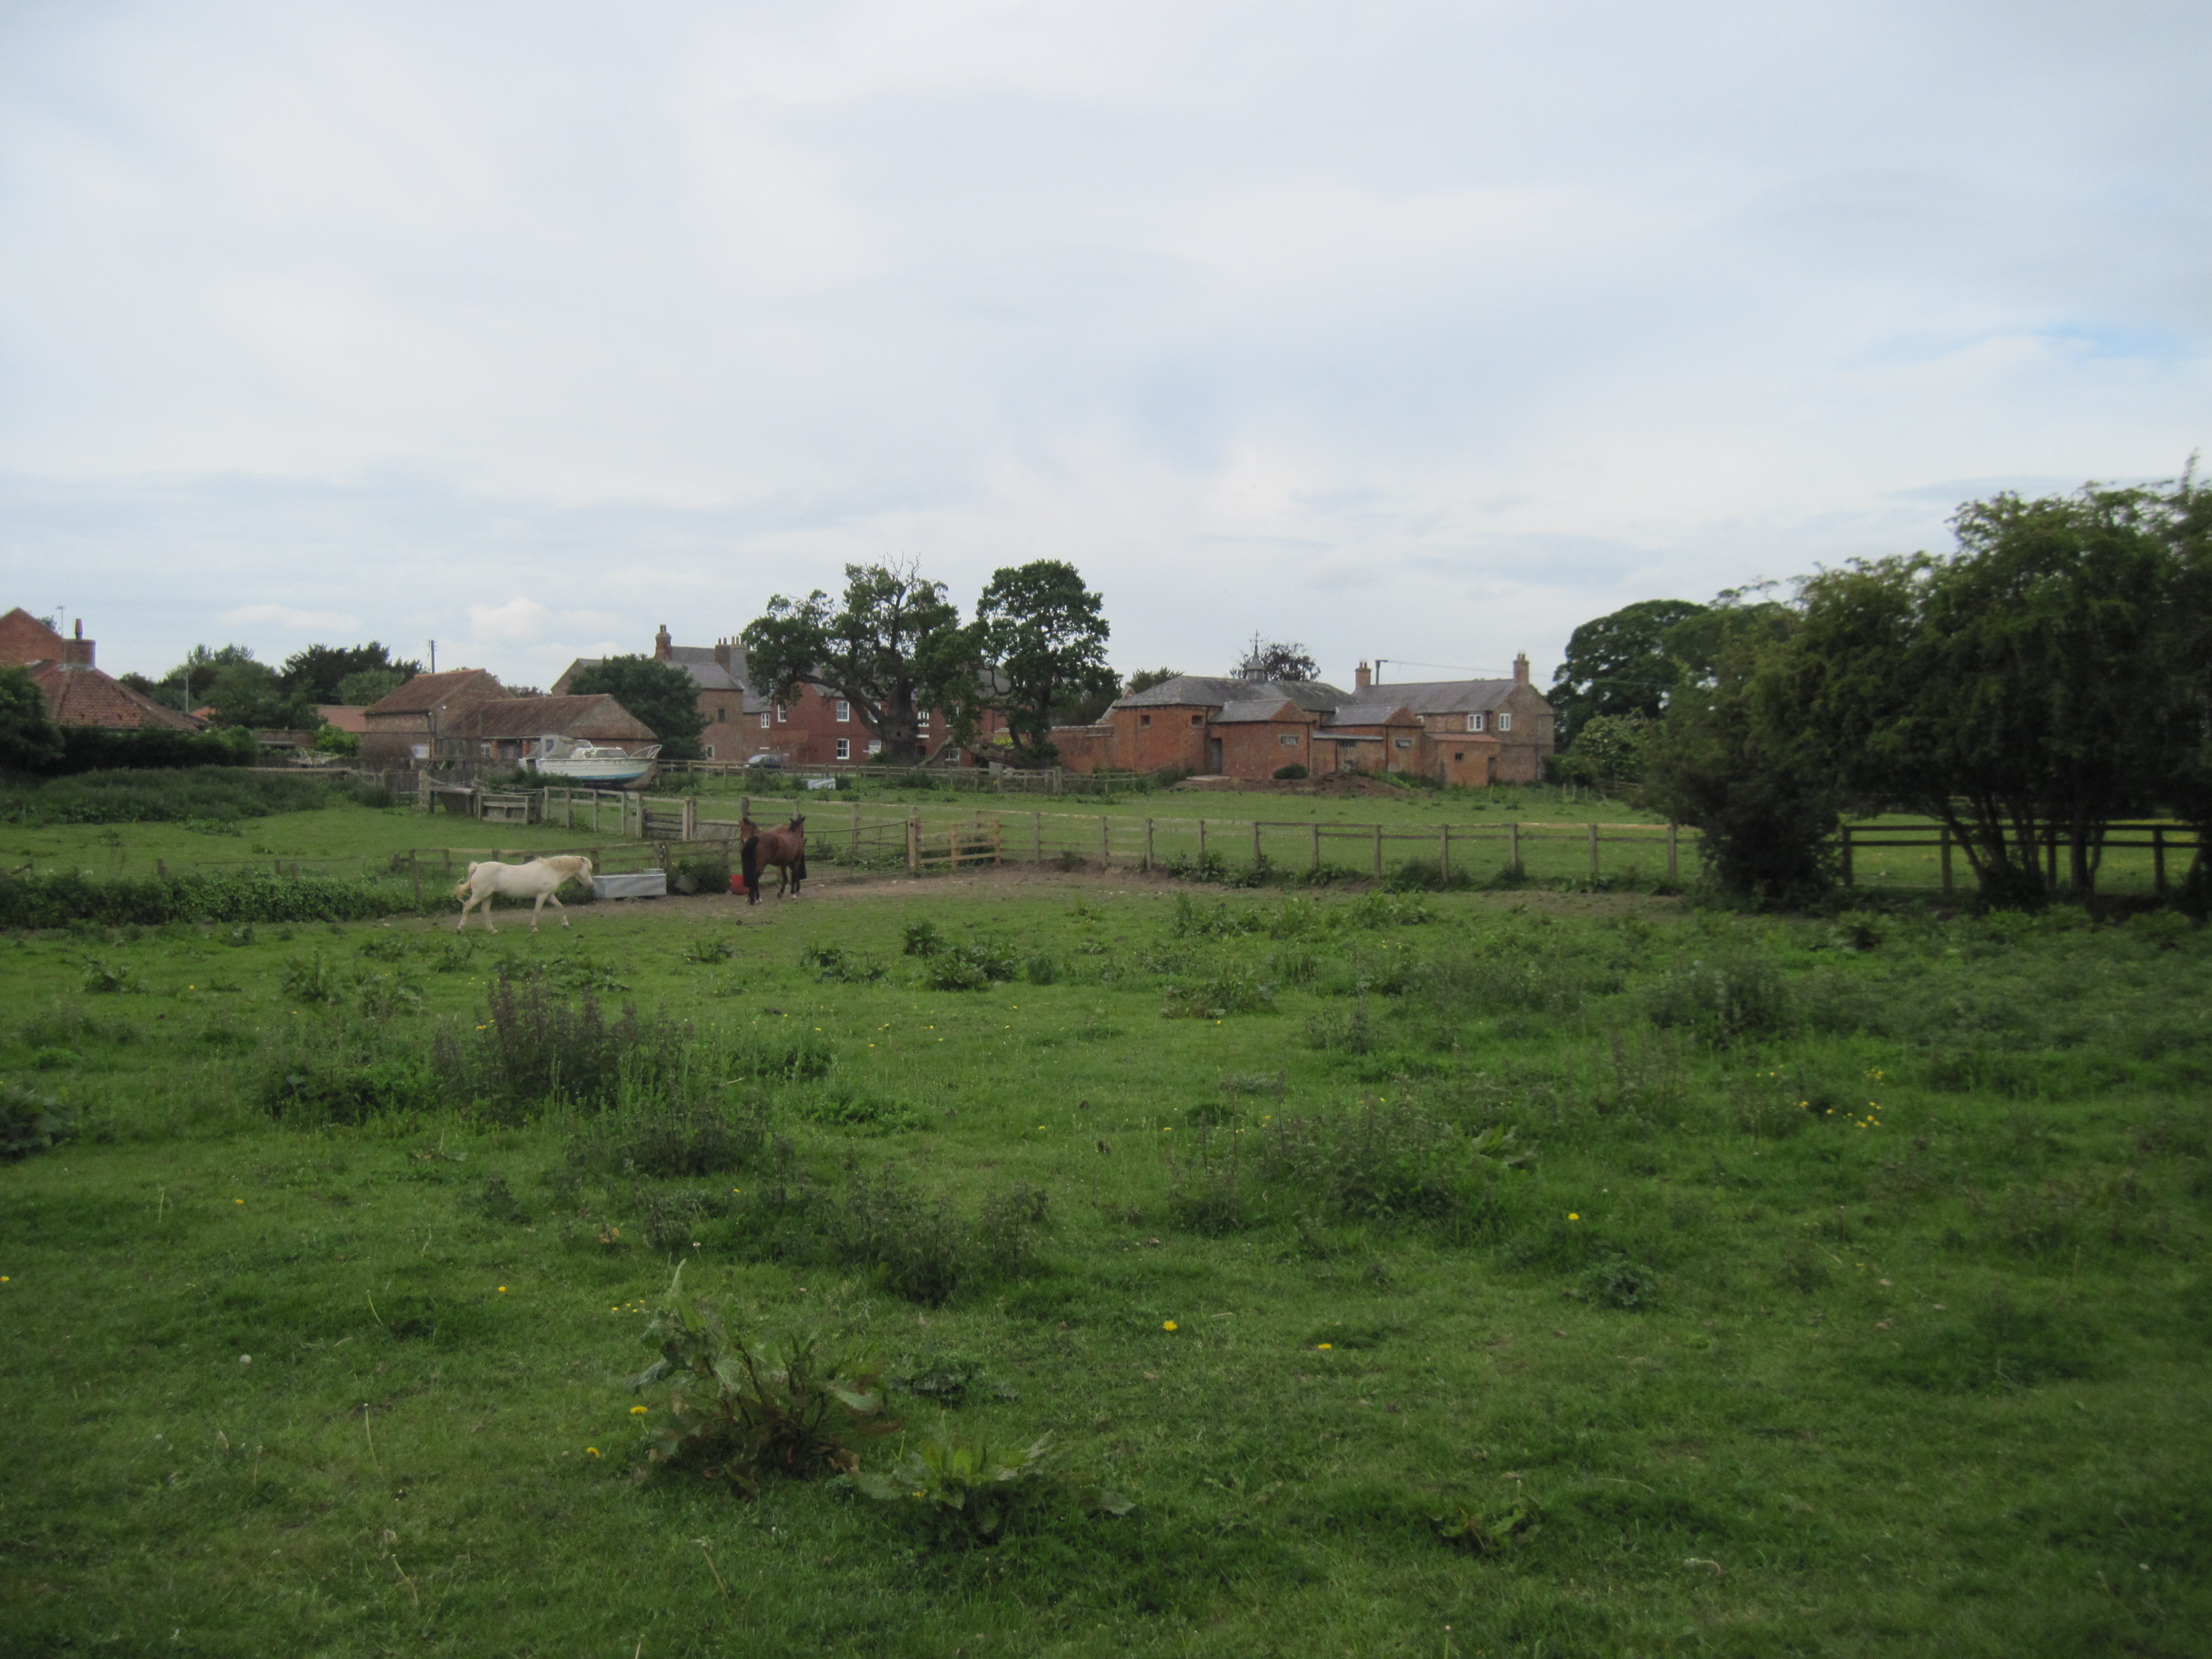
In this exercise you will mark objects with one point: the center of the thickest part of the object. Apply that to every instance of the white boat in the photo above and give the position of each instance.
(590, 762)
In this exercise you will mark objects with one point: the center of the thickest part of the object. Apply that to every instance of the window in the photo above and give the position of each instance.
(1459, 754)
(766, 720)
(844, 749)
(1402, 743)
(720, 714)
(875, 745)
(1198, 719)
(921, 719)
(844, 710)
(781, 712)
(1289, 739)
(1143, 720)
(710, 751)
(1474, 722)
(1505, 722)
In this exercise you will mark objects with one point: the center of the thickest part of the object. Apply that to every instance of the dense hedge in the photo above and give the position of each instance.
(60, 899)
(219, 793)
(93, 749)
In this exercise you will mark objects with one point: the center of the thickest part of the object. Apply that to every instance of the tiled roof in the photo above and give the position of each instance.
(1257, 709)
(1372, 707)
(593, 715)
(427, 691)
(1448, 697)
(1217, 691)
(79, 696)
(697, 660)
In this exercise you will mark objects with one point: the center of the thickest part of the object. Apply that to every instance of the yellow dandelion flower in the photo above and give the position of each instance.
(1574, 1215)
(639, 1411)
(1324, 1347)
(1169, 1325)
(592, 1450)
(502, 1289)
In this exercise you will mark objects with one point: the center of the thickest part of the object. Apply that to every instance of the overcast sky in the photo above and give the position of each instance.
(1423, 332)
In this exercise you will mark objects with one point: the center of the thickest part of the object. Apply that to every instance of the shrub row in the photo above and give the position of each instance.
(61, 898)
(220, 794)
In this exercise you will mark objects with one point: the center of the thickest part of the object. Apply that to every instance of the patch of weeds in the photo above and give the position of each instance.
(1998, 1344)
(1387, 909)
(834, 965)
(1254, 1083)
(1724, 1000)
(350, 1076)
(381, 995)
(1479, 1534)
(744, 1411)
(968, 1493)
(1216, 996)
(672, 1137)
(1384, 1163)
(455, 954)
(495, 1201)
(921, 939)
(1295, 966)
(1192, 920)
(710, 953)
(1041, 970)
(527, 1050)
(857, 1111)
(971, 967)
(1205, 1188)
(800, 1057)
(31, 1122)
(238, 937)
(1617, 1282)
(1428, 876)
(949, 1379)
(669, 1221)
(310, 978)
(1351, 1032)
(111, 978)
(384, 947)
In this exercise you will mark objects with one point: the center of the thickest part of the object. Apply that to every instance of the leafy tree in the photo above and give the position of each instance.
(1608, 750)
(29, 740)
(241, 691)
(2014, 687)
(1146, 678)
(659, 693)
(1277, 659)
(319, 673)
(894, 647)
(1727, 759)
(332, 740)
(1618, 665)
(2182, 521)
(1042, 638)
(369, 685)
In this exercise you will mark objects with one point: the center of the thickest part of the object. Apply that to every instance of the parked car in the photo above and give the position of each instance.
(766, 762)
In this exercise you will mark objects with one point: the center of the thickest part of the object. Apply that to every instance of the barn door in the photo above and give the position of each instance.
(1213, 755)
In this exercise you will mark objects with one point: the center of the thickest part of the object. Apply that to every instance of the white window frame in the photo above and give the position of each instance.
(844, 749)
(844, 711)
(767, 720)
(782, 714)
(1504, 722)
(875, 745)
(1474, 722)
(1289, 739)
(921, 719)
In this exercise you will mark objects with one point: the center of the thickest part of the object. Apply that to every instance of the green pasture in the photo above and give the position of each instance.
(1490, 1272)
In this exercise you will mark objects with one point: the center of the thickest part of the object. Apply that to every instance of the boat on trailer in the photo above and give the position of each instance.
(573, 762)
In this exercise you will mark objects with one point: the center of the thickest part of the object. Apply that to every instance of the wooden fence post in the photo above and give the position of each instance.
(1201, 849)
(1593, 833)
(690, 817)
(1257, 861)
(1148, 847)
(1317, 847)
(856, 832)
(1513, 842)
(1847, 855)
(2157, 859)
(1943, 840)
(1105, 841)
(1443, 853)
(1036, 838)
(1673, 865)
(1378, 852)
(913, 841)
(414, 869)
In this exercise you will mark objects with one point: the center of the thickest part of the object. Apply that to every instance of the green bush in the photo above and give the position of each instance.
(1388, 1163)
(1291, 773)
(211, 794)
(30, 1122)
(967, 1493)
(62, 899)
(673, 1136)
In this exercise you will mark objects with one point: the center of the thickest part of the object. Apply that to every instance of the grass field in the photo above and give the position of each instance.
(1839, 1290)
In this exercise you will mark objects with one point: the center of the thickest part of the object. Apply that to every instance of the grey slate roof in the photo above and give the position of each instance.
(1219, 691)
(1372, 707)
(1447, 697)
(1258, 709)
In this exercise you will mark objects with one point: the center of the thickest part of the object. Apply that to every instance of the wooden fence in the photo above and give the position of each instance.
(2161, 841)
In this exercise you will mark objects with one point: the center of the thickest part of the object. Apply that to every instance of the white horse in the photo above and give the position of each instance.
(540, 880)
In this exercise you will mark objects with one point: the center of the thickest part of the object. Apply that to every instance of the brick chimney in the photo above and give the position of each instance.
(664, 647)
(1362, 679)
(1521, 669)
(722, 655)
(78, 650)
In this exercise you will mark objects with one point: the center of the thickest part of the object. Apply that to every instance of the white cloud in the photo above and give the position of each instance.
(1409, 327)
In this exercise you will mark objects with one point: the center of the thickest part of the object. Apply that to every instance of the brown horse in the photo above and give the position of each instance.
(784, 850)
